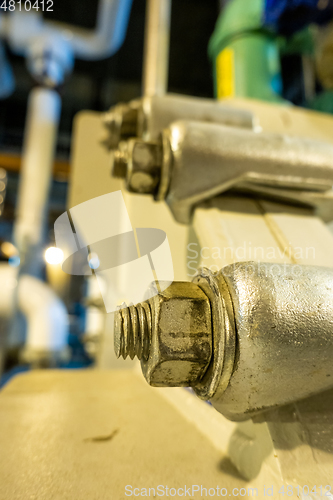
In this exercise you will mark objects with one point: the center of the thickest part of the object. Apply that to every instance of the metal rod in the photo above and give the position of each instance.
(36, 173)
(156, 50)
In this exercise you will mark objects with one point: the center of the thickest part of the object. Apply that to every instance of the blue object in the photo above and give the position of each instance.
(7, 82)
(14, 261)
(286, 17)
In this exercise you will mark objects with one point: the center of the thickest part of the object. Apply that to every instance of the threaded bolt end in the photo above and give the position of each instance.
(132, 331)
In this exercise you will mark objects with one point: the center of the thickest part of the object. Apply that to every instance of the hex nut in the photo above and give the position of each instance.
(181, 345)
(121, 124)
(145, 166)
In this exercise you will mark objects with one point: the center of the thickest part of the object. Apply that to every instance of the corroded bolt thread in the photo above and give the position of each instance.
(132, 331)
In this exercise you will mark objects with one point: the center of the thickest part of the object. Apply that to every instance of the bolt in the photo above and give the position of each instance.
(122, 122)
(139, 163)
(171, 334)
(133, 329)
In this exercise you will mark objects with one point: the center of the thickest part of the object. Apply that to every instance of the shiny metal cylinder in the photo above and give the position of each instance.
(156, 50)
(41, 132)
(202, 160)
(158, 112)
(283, 324)
(147, 117)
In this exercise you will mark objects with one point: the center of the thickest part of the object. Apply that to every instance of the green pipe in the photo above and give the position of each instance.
(245, 56)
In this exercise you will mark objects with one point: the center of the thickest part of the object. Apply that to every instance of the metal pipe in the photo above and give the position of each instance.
(46, 315)
(47, 320)
(38, 154)
(105, 40)
(156, 51)
(282, 318)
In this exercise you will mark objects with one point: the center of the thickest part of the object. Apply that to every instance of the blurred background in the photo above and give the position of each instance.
(92, 85)
(283, 53)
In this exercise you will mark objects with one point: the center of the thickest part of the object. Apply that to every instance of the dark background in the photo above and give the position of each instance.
(98, 85)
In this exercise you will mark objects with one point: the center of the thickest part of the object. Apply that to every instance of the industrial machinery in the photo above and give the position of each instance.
(248, 338)
(220, 334)
(235, 333)
(147, 117)
(49, 49)
(195, 161)
(252, 338)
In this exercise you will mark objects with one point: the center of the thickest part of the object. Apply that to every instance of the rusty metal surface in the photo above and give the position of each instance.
(181, 335)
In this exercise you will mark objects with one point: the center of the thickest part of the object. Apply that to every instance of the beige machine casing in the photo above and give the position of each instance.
(89, 434)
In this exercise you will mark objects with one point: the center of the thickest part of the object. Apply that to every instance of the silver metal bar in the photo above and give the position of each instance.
(207, 159)
(197, 161)
(283, 316)
(156, 51)
(146, 118)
